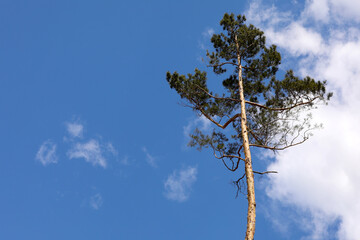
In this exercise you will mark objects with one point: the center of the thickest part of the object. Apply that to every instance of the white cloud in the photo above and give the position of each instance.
(339, 10)
(91, 151)
(74, 129)
(282, 31)
(269, 15)
(47, 153)
(201, 123)
(321, 176)
(151, 160)
(297, 39)
(96, 201)
(318, 9)
(178, 185)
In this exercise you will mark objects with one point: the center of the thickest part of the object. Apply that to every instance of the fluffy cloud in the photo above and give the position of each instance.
(297, 39)
(47, 153)
(320, 177)
(75, 129)
(91, 151)
(178, 185)
(327, 10)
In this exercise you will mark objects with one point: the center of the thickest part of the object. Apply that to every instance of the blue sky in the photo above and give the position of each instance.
(93, 140)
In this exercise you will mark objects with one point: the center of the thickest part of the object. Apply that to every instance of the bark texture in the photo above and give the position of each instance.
(251, 214)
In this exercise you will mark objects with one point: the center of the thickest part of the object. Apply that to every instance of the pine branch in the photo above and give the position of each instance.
(253, 134)
(222, 64)
(274, 148)
(219, 98)
(281, 109)
(215, 122)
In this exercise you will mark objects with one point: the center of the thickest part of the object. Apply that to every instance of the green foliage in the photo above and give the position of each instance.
(275, 106)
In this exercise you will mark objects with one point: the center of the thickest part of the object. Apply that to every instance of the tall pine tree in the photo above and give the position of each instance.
(263, 111)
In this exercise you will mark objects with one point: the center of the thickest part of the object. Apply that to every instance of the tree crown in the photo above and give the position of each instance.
(274, 107)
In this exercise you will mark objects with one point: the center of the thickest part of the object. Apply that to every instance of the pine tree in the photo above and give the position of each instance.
(264, 112)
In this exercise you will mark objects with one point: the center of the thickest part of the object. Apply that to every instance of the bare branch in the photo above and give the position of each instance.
(281, 109)
(216, 123)
(233, 168)
(237, 184)
(253, 134)
(238, 181)
(239, 151)
(266, 172)
(277, 148)
(229, 156)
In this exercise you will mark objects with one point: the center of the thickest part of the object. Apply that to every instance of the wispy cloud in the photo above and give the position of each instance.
(204, 41)
(125, 161)
(178, 185)
(320, 177)
(208, 32)
(91, 151)
(47, 153)
(202, 123)
(151, 160)
(96, 201)
(110, 148)
(74, 129)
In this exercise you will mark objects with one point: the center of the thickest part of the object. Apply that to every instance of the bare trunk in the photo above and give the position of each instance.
(251, 214)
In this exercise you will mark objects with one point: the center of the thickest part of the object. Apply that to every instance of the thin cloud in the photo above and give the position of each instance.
(320, 177)
(125, 161)
(151, 160)
(178, 185)
(208, 32)
(91, 151)
(96, 201)
(47, 153)
(110, 148)
(203, 43)
(201, 123)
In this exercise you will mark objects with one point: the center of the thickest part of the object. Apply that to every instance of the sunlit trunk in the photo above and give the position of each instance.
(251, 214)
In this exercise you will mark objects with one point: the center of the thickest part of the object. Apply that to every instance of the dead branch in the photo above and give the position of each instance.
(266, 172)
(237, 185)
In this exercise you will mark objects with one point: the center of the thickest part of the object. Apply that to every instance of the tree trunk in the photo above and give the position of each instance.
(251, 214)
